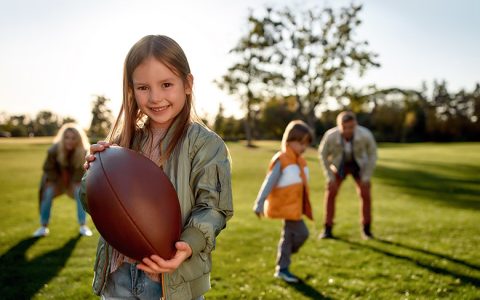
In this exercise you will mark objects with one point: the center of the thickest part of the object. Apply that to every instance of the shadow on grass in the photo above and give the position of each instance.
(438, 255)
(447, 190)
(466, 279)
(21, 278)
(308, 291)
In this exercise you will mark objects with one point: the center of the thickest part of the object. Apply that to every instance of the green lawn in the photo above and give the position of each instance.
(426, 220)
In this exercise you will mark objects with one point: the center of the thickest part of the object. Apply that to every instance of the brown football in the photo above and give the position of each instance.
(133, 204)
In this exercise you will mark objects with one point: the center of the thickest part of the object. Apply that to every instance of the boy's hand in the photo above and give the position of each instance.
(98, 147)
(156, 264)
(259, 214)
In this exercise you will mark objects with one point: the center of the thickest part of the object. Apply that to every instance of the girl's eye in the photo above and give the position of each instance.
(142, 88)
(167, 85)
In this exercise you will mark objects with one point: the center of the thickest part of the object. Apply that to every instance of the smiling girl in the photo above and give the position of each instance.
(157, 119)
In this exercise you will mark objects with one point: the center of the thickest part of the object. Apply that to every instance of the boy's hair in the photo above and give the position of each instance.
(345, 116)
(130, 119)
(299, 131)
(78, 157)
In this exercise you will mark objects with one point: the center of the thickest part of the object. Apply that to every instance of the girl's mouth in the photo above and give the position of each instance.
(159, 109)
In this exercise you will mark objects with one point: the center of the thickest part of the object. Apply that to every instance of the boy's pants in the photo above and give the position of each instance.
(294, 234)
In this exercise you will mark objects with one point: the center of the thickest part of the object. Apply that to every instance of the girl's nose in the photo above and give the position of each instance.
(155, 95)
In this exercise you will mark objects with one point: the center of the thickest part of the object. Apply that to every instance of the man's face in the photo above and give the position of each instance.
(347, 129)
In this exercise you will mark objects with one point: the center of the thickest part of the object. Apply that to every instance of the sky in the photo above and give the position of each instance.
(57, 55)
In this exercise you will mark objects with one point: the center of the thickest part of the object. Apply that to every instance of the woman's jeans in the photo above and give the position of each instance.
(46, 205)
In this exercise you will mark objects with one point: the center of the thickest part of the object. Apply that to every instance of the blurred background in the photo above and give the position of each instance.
(409, 68)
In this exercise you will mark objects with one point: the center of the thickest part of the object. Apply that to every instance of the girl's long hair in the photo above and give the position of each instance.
(78, 157)
(131, 121)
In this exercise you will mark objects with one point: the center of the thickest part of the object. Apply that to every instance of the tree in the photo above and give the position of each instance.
(101, 118)
(249, 78)
(315, 50)
(219, 123)
(46, 123)
(275, 116)
(68, 120)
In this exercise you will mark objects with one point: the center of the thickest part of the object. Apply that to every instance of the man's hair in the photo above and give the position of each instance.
(345, 116)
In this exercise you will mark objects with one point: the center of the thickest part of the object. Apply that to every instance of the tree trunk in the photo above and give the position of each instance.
(248, 129)
(311, 120)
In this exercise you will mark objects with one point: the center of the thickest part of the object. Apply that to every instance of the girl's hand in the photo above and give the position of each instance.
(156, 264)
(99, 147)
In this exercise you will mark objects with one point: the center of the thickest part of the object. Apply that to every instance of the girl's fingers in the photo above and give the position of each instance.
(88, 159)
(171, 264)
(100, 146)
(147, 269)
(148, 265)
(158, 260)
(96, 148)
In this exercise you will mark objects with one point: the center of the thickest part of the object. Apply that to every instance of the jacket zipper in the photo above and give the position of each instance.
(164, 297)
(219, 185)
(107, 262)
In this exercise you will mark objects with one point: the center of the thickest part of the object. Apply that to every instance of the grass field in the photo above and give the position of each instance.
(426, 220)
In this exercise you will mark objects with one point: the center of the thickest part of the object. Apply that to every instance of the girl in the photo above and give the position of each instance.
(157, 119)
(284, 195)
(62, 172)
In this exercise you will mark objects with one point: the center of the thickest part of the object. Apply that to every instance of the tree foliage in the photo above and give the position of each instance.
(101, 118)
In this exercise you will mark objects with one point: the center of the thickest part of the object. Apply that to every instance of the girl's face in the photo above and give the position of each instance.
(298, 147)
(70, 140)
(160, 93)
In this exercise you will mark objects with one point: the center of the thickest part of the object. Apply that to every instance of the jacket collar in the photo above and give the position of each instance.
(356, 135)
(168, 137)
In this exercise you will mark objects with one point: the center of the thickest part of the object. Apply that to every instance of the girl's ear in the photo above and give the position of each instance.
(189, 84)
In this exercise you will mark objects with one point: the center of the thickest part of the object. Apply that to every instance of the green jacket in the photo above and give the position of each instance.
(52, 169)
(199, 170)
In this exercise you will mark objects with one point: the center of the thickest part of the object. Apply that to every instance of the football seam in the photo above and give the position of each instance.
(124, 209)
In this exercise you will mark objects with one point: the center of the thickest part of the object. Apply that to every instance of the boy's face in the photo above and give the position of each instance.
(298, 147)
(160, 93)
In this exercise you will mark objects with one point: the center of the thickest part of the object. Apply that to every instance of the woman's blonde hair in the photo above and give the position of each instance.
(131, 119)
(297, 130)
(78, 157)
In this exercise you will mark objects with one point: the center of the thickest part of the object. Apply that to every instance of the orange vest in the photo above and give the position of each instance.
(289, 198)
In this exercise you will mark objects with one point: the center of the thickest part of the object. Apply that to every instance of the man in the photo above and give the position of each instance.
(348, 149)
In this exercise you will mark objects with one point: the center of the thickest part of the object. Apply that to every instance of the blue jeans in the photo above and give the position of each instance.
(46, 205)
(128, 282)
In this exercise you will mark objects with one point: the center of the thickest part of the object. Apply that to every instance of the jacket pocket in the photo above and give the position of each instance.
(100, 267)
(224, 185)
(192, 269)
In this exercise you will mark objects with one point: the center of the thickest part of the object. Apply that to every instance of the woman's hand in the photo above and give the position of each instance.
(98, 147)
(156, 264)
